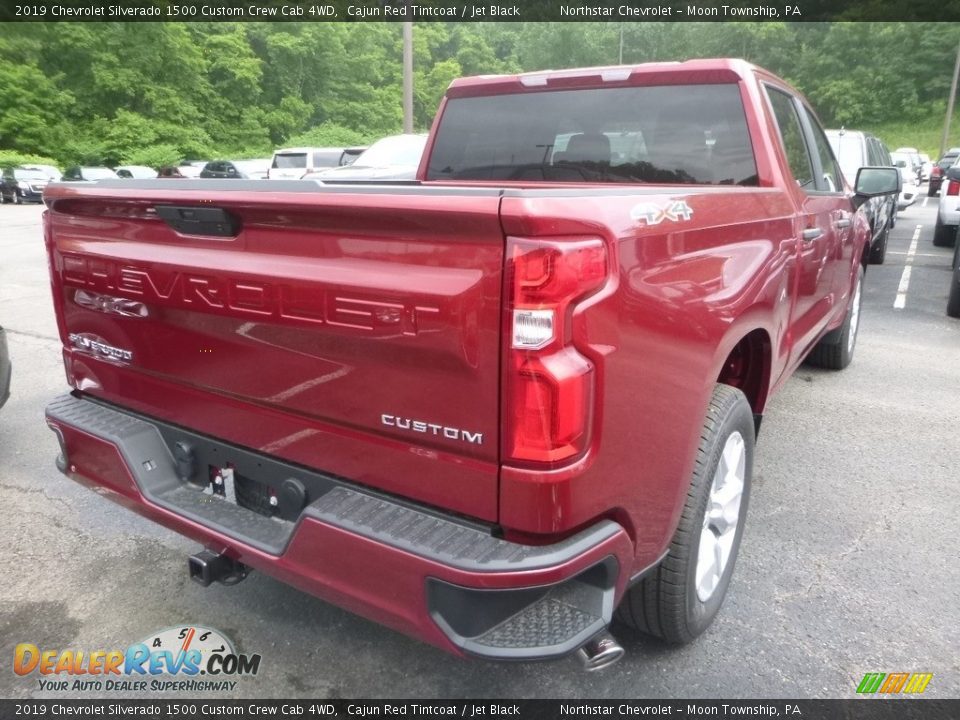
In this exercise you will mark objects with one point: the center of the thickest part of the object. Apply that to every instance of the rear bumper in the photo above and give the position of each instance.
(437, 578)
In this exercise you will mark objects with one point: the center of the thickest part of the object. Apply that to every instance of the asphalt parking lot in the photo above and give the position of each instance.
(849, 564)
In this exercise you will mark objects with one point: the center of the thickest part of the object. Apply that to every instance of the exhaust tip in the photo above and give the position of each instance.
(599, 653)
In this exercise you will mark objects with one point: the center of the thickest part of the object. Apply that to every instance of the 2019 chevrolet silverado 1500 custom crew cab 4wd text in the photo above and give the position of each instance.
(487, 407)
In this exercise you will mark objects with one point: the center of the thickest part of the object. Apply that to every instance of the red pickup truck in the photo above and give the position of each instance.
(490, 406)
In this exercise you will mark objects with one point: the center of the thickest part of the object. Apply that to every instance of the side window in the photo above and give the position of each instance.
(885, 158)
(832, 180)
(878, 159)
(791, 135)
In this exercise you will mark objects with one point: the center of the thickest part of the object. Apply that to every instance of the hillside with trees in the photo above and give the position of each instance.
(156, 93)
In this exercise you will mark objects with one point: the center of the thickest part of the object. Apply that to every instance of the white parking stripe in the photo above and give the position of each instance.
(919, 254)
(924, 203)
(901, 302)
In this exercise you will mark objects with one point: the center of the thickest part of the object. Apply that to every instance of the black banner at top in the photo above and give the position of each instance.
(478, 10)
(254, 709)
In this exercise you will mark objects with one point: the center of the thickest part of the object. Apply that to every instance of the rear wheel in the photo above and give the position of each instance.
(17, 198)
(953, 300)
(680, 598)
(943, 235)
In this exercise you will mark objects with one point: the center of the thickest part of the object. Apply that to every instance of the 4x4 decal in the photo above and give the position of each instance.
(654, 213)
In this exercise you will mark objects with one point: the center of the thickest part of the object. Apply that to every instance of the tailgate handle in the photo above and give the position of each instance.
(210, 221)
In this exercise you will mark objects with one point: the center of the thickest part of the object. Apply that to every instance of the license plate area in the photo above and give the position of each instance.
(255, 482)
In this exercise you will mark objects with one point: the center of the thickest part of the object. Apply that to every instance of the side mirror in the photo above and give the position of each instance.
(875, 181)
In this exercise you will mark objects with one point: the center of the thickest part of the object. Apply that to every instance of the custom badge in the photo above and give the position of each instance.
(655, 213)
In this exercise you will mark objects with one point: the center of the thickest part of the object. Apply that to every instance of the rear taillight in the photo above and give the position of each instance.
(549, 383)
(953, 188)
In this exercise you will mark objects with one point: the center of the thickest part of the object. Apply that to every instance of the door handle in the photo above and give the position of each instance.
(842, 223)
(811, 234)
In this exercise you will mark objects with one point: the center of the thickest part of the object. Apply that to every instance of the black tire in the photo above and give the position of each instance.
(953, 299)
(943, 235)
(17, 198)
(878, 251)
(931, 191)
(835, 349)
(665, 603)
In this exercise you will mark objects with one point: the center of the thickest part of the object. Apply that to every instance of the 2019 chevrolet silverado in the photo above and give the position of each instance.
(488, 407)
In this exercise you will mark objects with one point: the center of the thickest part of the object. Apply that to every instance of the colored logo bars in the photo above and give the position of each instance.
(894, 683)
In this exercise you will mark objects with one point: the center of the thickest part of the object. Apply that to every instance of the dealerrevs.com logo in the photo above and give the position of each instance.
(188, 658)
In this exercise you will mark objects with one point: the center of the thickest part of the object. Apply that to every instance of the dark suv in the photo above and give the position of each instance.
(19, 185)
(236, 169)
(855, 149)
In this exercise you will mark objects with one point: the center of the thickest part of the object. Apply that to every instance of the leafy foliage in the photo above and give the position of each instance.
(158, 93)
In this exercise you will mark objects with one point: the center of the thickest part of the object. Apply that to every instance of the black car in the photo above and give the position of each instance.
(236, 169)
(855, 149)
(4, 369)
(19, 185)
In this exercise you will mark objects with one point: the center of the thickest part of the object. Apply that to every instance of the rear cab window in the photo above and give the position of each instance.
(606, 135)
(326, 158)
(289, 161)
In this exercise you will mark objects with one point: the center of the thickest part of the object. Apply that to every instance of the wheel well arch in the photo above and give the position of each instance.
(747, 367)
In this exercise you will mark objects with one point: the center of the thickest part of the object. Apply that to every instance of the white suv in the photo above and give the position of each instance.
(948, 214)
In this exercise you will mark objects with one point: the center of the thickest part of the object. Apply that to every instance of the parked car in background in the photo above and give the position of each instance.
(911, 188)
(5, 369)
(294, 163)
(179, 171)
(912, 155)
(855, 149)
(19, 185)
(939, 168)
(948, 212)
(396, 157)
(236, 169)
(49, 170)
(88, 174)
(135, 172)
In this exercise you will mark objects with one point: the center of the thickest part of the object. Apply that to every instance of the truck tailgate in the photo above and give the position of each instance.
(354, 330)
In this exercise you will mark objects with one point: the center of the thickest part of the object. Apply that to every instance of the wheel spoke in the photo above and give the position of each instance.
(708, 571)
(722, 516)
